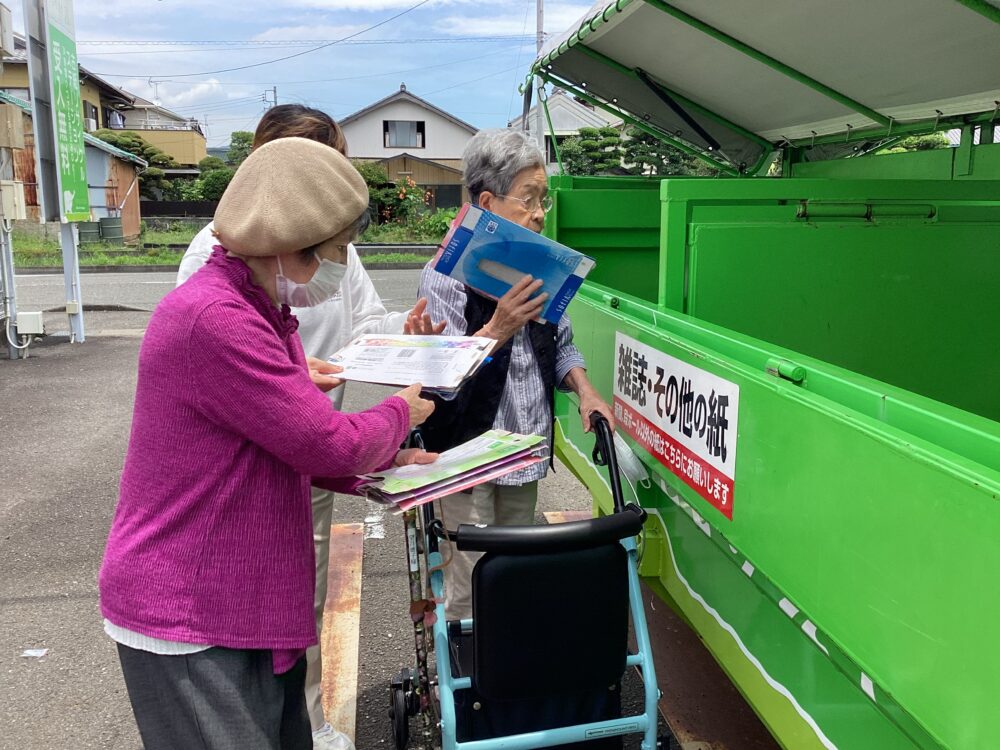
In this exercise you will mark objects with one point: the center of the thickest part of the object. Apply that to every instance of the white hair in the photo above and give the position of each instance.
(493, 158)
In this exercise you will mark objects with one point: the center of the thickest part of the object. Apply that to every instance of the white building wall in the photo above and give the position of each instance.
(140, 118)
(443, 139)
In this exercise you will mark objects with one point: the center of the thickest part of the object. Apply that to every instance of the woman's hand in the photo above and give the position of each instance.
(591, 402)
(514, 310)
(414, 456)
(420, 408)
(319, 373)
(418, 322)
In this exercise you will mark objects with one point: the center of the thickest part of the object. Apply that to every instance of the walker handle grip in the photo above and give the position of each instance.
(604, 455)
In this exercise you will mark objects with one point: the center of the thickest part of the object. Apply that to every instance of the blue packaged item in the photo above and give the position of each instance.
(491, 254)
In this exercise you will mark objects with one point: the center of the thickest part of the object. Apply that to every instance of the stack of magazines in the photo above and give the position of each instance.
(442, 364)
(491, 254)
(480, 460)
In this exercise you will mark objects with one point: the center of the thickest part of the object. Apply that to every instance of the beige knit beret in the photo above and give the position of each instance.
(288, 195)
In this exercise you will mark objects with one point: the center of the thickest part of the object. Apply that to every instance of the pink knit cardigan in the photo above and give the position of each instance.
(212, 537)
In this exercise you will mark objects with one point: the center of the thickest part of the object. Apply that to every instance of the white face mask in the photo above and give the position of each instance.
(631, 467)
(322, 286)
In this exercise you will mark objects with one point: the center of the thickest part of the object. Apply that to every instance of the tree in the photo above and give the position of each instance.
(381, 192)
(575, 160)
(240, 144)
(182, 190)
(153, 183)
(213, 184)
(211, 163)
(927, 142)
(648, 155)
(603, 148)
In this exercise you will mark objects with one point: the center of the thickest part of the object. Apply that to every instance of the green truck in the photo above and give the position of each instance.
(804, 350)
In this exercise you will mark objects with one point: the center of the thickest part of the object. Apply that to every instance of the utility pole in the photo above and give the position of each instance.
(273, 100)
(539, 42)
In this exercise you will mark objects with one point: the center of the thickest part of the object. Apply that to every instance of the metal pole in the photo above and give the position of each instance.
(540, 84)
(43, 100)
(274, 95)
(71, 281)
(8, 293)
(8, 298)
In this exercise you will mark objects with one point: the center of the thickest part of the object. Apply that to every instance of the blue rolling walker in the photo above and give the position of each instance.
(540, 663)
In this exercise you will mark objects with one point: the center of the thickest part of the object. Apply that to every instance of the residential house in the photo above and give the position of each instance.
(568, 116)
(181, 137)
(412, 138)
(955, 136)
(112, 175)
(107, 106)
(101, 101)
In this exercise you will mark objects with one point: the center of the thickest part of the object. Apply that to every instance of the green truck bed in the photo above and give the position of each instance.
(840, 581)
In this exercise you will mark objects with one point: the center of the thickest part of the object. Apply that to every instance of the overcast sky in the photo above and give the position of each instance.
(473, 79)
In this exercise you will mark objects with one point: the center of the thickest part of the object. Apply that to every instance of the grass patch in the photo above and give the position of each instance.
(156, 257)
(395, 258)
(400, 234)
(29, 244)
(99, 258)
(179, 234)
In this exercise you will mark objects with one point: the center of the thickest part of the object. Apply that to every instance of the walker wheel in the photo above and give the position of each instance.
(400, 721)
(399, 712)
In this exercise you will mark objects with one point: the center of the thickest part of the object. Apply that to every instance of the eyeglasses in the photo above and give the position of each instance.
(533, 204)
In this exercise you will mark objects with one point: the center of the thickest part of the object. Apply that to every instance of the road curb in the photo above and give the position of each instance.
(100, 308)
(173, 269)
(25, 270)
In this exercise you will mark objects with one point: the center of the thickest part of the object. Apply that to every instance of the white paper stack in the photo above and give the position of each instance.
(442, 364)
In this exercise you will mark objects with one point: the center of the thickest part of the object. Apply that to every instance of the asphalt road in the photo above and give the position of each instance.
(64, 420)
(142, 291)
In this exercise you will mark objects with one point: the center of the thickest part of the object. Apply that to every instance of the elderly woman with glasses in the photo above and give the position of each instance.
(504, 172)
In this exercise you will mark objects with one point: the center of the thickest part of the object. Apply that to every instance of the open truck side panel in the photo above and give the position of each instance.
(838, 561)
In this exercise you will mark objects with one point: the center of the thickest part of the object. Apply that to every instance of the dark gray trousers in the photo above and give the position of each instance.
(219, 699)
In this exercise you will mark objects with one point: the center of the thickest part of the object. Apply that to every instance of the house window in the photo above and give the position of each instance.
(447, 196)
(112, 118)
(90, 113)
(403, 133)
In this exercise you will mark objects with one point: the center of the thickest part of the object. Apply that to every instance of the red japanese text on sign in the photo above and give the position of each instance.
(684, 416)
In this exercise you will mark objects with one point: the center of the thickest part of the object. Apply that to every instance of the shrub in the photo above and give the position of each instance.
(213, 184)
(434, 226)
(210, 164)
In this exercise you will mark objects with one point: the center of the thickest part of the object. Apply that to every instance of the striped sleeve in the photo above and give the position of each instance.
(446, 300)
(567, 355)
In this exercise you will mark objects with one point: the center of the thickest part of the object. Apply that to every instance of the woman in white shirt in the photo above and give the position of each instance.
(353, 310)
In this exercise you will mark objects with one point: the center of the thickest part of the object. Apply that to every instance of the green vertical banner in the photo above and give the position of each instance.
(67, 112)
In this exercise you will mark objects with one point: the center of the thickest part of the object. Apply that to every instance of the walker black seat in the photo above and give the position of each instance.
(550, 625)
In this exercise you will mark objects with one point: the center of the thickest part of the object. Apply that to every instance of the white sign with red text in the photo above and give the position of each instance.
(684, 416)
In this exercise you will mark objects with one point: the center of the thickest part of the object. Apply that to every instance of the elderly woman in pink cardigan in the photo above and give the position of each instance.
(207, 581)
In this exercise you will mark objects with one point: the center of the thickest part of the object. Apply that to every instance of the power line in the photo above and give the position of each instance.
(337, 80)
(247, 124)
(473, 80)
(176, 50)
(273, 43)
(220, 104)
(288, 57)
